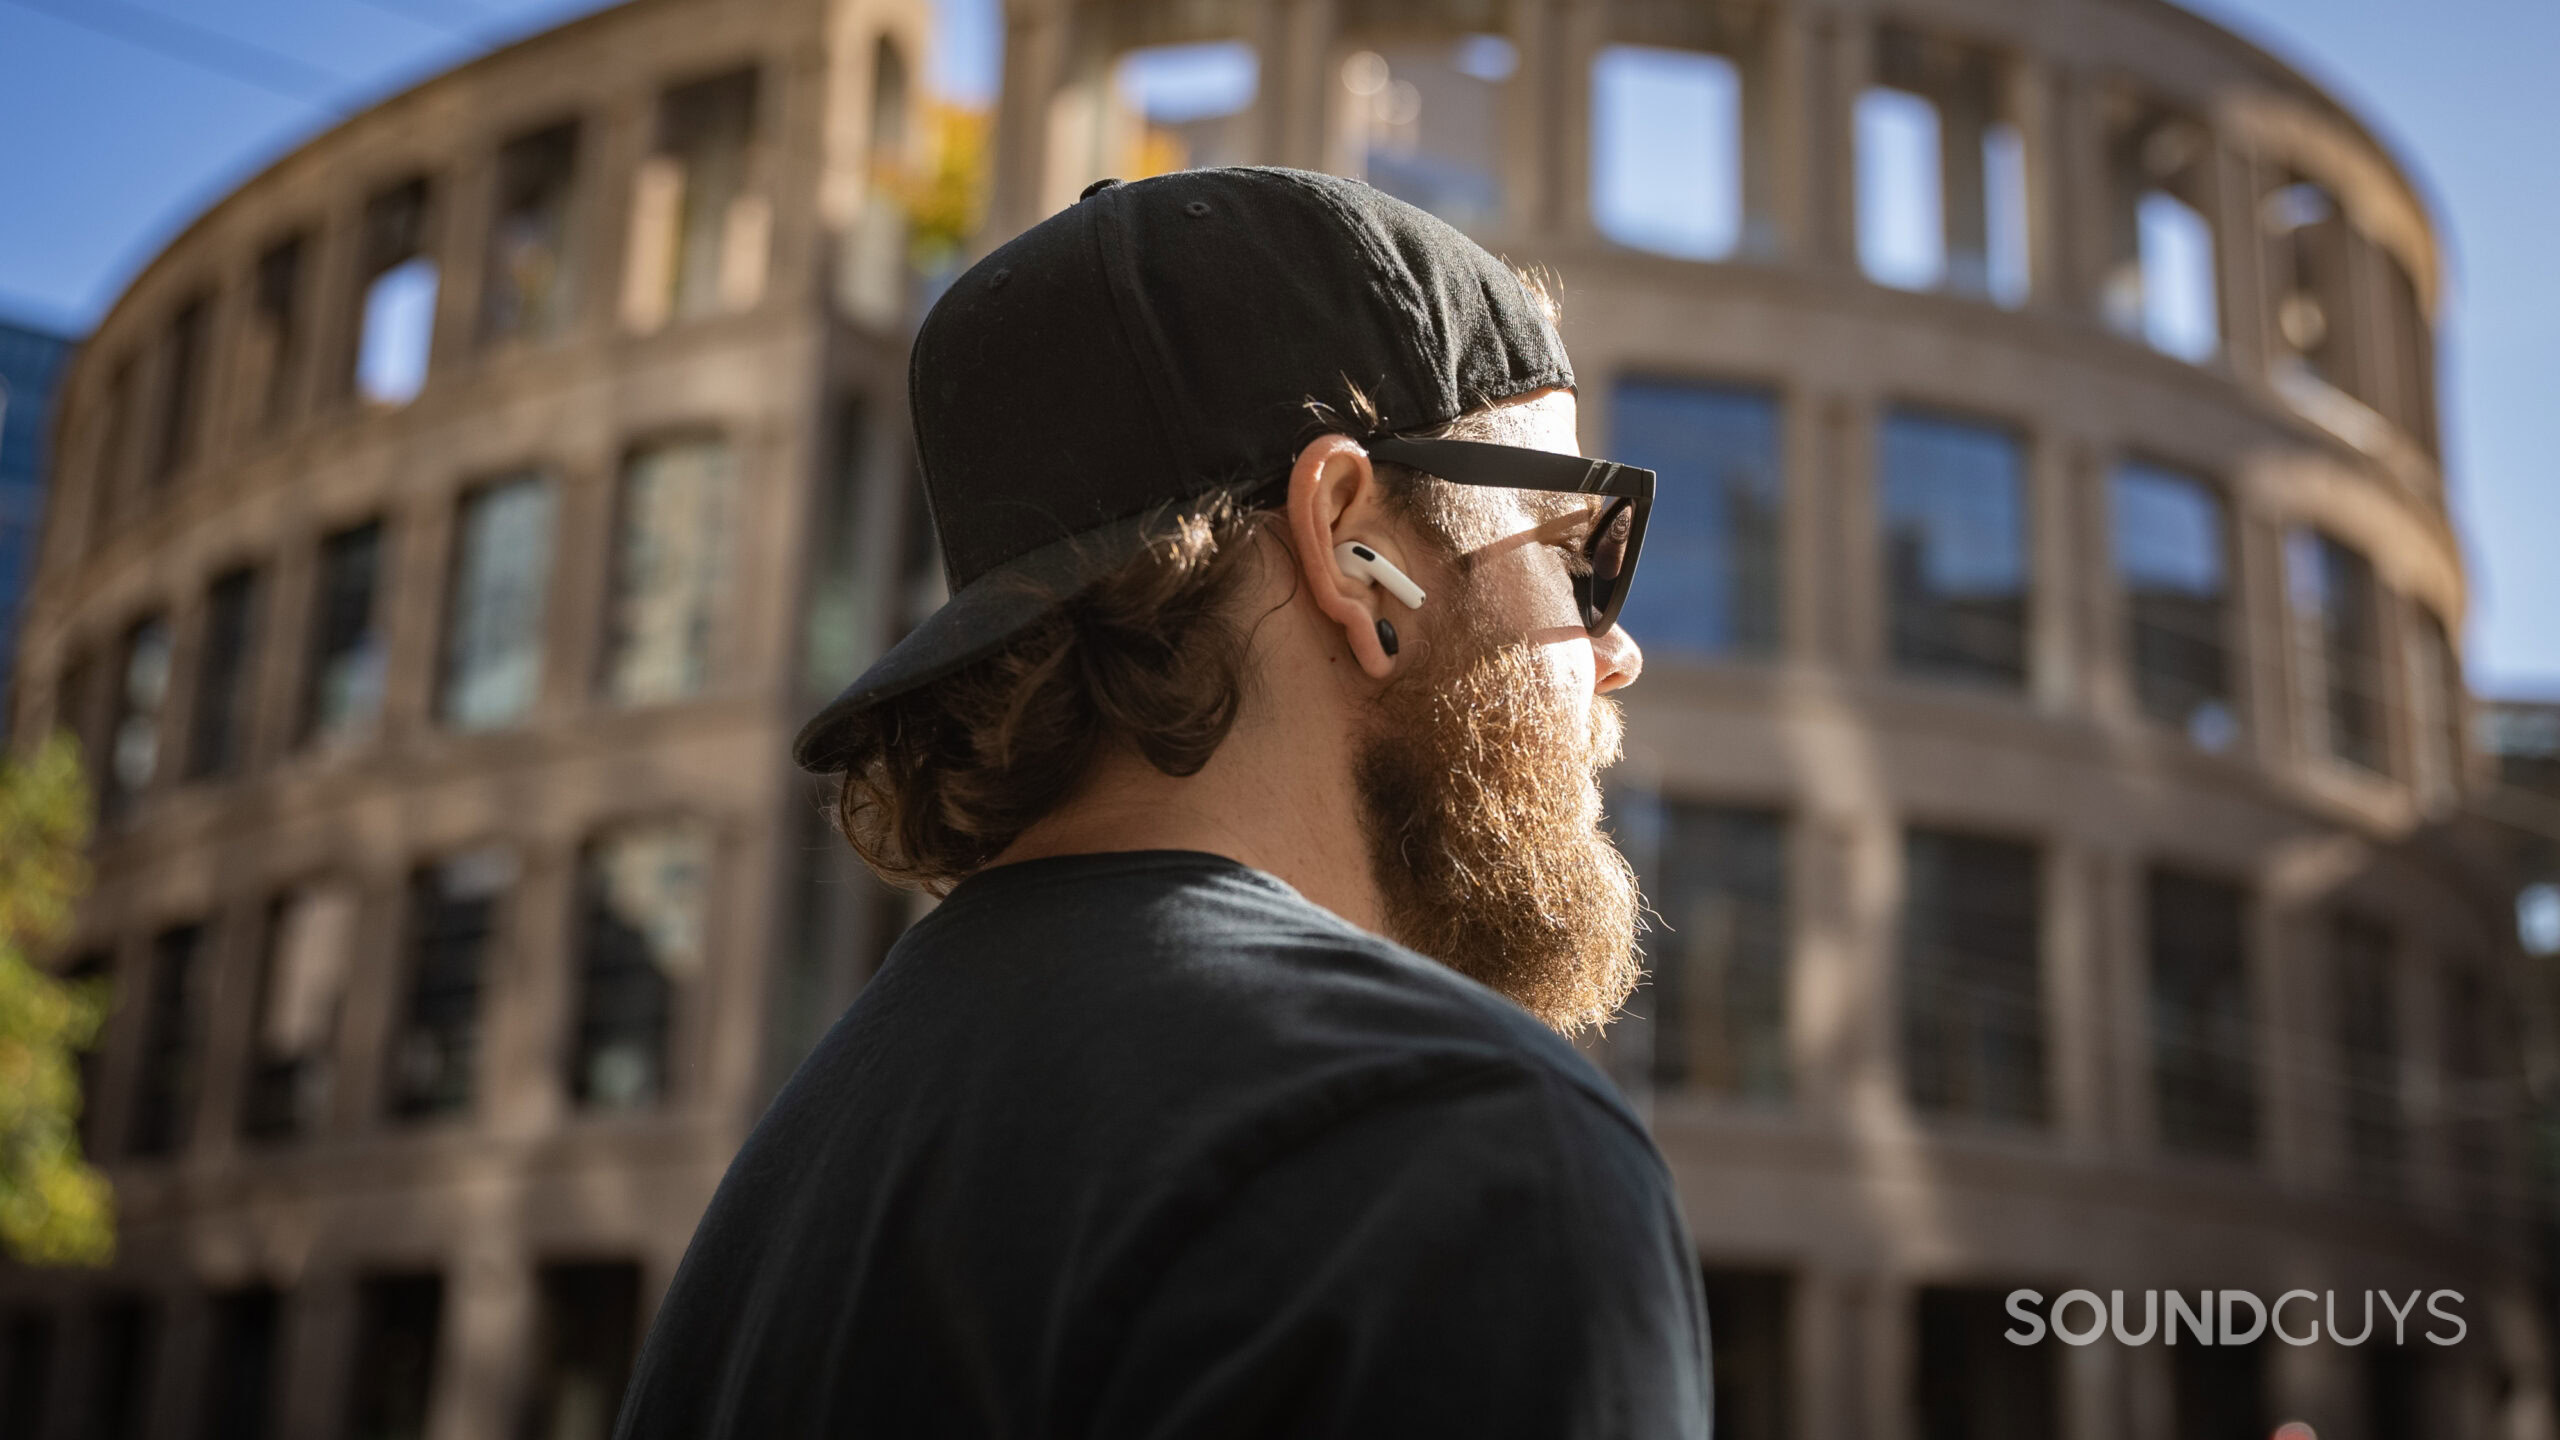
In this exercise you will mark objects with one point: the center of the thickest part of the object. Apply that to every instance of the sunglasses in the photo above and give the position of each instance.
(1609, 555)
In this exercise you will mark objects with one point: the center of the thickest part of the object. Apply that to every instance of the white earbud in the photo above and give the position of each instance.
(1358, 559)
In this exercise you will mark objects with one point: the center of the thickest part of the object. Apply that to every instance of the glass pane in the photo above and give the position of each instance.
(645, 907)
(1748, 1330)
(399, 326)
(398, 1318)
(2369, 1046)
(2170, 558)
(2180, 315)
(1666, 150)
(2337, 605)
(142, 687)
(2004, 219)
(345, 684)
(164, 1092)
(1972, 1009)
(671, 570)
(453, 929)
(2203, 1051)
(1717, 964)
(1709, 581)
(1902, 233)
(590, 1319)
(1955, 549)
(528, 267)
(502, 566)
(223, 676)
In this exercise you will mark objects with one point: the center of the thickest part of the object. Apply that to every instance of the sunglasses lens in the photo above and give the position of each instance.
(1608, 554)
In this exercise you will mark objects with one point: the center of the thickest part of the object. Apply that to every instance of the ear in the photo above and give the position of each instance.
(1333, 497)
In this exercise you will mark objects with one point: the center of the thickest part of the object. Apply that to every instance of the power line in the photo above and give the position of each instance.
(434, 14)
(210, 50)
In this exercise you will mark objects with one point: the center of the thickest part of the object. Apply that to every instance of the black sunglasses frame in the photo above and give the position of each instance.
(1517, 467)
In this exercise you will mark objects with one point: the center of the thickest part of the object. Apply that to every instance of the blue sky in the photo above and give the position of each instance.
(114, 144)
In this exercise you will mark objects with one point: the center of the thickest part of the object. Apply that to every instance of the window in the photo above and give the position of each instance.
(398, 297)
(2395, 1380)
(275, 337)
(2160, 286)
(453, 927)
(302, 981)
(2172, 562)
(1424, 121)
(840, 925)
(1747, 1312)
(528, 292)
(240, 1384)
(2413, 354)
(699, 233)
(1941, 172)
(2337, 614)
(493, 624)
(397, 1319)
(2521, 736)
(218, 743)
(1713, 587)
(1974, 1384)
(88, 971)
(182, 389)
(839, 627)
(1972, 1006)
(164, 1089)
(343, 691)
(121, 1368)
(1955, 549)
(589, 1321)
(2437, 704)
(671, 571)
(2311, 271)
(1666, 150)
(112, 469)
(2203, 1048)
(645, 890)
(2368, 1050)
(26, 1375)
(142, 687)
(2219, 1391)
(1718, 961)
(2477, 1093)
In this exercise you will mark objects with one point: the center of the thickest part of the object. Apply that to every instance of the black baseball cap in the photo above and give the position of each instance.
(1157, 343)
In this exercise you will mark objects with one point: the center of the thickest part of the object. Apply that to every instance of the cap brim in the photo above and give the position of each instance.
(977, 622)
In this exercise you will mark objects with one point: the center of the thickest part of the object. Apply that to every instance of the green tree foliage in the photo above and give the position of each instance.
(55, 1209)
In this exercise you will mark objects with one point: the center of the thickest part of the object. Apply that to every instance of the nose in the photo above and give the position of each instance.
(1616, 660)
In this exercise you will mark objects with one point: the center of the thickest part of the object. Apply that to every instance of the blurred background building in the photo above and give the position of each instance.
(2053, 767)
(31, 362)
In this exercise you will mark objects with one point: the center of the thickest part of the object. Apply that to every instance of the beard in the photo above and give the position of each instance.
(1481, 795)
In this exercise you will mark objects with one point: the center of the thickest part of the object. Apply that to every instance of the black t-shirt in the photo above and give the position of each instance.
(1146, 1144)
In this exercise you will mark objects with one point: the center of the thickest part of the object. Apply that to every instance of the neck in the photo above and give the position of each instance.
(1270, 798)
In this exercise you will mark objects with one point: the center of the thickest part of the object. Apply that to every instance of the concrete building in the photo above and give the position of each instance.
(2051, 763)
(31, 363)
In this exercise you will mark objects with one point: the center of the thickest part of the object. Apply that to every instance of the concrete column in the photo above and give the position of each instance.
(2092, 1380)
(2097, 595)
(716, 1050)
(1309, 30)
(237, 940)
(1888, 1341)
(2031, 101)
(377, 993)
(410, 605)
(2080, 181)
(2077, 1001)
(457, 235)
(487, 1340)
(2264, 674)
(1034, 66)
(529, 991)
(1534, 129)
(1779, 163)
(317, 1357)
(1856, 573)
(582, 553)
(2118, 915)
(2240, 257)
(1842, 66)
(1828, 1350)
(1964, 117)
(2282, 958)
(1583, 33)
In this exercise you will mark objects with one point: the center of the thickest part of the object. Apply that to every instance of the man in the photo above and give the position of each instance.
(1254, 755)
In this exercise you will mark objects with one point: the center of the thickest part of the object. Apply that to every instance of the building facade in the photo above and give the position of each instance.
(453, 525)
(2050, 767)
(31, 363)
